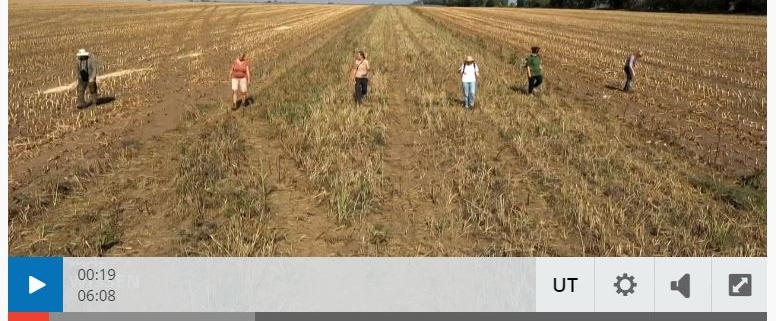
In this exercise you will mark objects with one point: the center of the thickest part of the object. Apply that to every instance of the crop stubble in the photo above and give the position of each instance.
(581, 170)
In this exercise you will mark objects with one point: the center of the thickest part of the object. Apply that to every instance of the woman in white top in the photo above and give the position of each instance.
(361, 74)
(469, 75)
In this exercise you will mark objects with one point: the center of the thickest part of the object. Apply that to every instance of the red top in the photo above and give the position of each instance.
(239, 69)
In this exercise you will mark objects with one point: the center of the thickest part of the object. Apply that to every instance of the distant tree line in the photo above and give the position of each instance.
(738, 6)
(465, 3)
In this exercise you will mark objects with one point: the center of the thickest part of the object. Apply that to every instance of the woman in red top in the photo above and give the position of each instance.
(240, 74)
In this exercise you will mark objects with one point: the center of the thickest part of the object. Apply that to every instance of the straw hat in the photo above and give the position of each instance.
(82, 53)
(469, 59)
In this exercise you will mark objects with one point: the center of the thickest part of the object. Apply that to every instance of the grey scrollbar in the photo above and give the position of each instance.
(513, 316)
(411, 316)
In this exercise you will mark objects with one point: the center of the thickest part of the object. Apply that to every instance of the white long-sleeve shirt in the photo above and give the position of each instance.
(469, 72)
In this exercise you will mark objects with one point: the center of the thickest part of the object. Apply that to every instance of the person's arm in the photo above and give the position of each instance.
(527, 68)
(477, 72)
(231, 71)
(248, 72)
(367, 66)
(92, 70)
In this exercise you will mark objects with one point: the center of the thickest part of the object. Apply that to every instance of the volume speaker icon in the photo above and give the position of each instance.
(682, 285)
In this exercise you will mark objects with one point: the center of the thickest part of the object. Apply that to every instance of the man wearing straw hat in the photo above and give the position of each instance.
(86, 71)
(469, 75)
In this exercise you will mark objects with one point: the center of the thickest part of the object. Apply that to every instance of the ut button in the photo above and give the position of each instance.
(35, 284)
(564, 285)
(563, 281)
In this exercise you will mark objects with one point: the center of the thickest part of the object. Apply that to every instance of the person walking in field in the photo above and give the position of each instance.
(240, 74)
(470, 73)
(86, 72)
(630, 66)
(361, 76)
(533, 68)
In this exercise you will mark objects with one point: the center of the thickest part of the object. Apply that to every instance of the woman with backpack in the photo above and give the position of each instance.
(469, 75)
(361, 75)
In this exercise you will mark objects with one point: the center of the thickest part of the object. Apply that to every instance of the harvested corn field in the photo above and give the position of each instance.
(162, 166)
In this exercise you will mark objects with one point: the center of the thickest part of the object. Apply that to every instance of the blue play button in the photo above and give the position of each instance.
(35, 284)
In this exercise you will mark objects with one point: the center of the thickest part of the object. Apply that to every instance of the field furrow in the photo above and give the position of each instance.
(163, 166)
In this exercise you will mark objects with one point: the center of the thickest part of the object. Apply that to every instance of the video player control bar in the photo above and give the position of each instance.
(268, 285)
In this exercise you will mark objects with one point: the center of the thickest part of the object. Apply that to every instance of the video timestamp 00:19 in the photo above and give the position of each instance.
(95, 285)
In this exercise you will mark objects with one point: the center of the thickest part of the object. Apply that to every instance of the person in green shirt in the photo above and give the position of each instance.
(533, 67)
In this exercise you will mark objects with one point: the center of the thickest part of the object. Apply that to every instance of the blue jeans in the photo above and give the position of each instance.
(468, 93)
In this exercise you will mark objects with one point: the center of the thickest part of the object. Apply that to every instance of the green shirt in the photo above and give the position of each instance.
(535, 63)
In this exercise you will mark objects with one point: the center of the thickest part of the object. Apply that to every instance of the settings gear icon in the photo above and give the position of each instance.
(621, 287)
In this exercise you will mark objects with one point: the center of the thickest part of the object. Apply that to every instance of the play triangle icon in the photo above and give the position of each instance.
(35, 285)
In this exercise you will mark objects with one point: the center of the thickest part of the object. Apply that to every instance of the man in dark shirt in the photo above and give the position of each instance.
(86, 72)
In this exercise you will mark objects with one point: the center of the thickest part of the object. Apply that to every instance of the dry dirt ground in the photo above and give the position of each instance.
(162, 167)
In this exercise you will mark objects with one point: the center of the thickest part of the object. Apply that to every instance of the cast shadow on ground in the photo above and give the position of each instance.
(613, 87)
(100, 101)
(105, 100)
(519, 89)
(249, 100)
(454, 100)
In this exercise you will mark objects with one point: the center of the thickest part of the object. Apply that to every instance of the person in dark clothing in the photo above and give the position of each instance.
(533, 67)
(630, 66)
(86, 71)
(361, 75)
